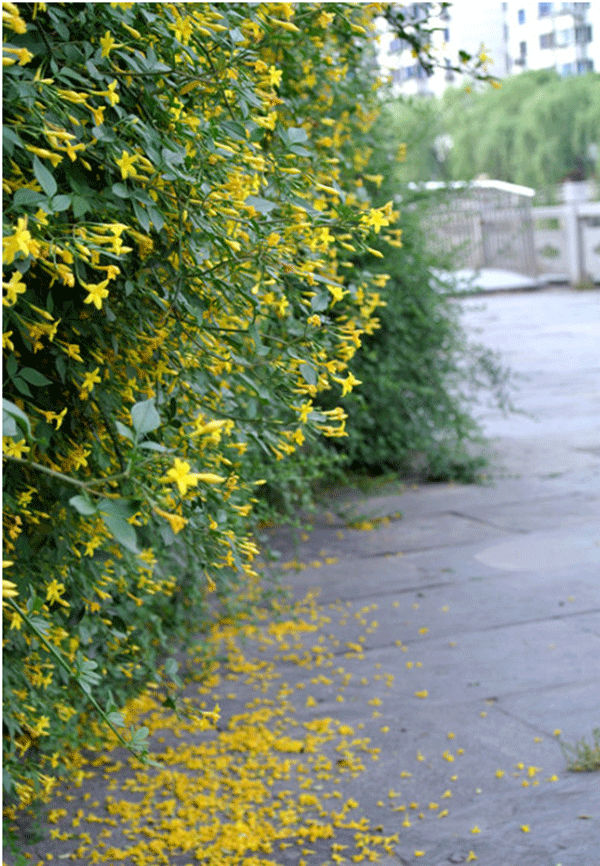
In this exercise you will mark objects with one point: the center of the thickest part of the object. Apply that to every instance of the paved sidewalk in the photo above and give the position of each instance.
(506, 580)
(460, 632)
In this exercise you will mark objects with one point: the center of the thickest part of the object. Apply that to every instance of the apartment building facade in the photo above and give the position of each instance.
(516, 35)
(562, 36)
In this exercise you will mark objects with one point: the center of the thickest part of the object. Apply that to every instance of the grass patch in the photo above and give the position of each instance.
(583, 757)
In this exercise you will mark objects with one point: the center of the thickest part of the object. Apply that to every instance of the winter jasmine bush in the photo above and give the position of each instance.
(183, 211)
(175, 299)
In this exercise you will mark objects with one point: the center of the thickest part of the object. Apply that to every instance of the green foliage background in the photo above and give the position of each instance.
(535, 130)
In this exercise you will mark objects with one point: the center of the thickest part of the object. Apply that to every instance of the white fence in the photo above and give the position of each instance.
(482, 224)
(492, 224)
(567, 242)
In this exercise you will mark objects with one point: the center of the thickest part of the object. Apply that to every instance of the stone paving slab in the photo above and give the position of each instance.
(575, 545)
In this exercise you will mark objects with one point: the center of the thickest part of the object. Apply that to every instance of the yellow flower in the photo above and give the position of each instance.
(58, 418)
(376, 218)
(9, 589)
(72, 96)
(422, 694)
(108, 43)
(91, 379)
(337, 292)
(72, 350)
(13, 289)
(7, 343)
(19, 242)
(54, 593)
(180, 475)
(275, 75)
(175, 521)
(12, 19)
(44, 153)
(525, 828)
(125, 163)
(22, 53)
(475, 830)
(97, 293)
(10, 448)
(348, 383)
(110, 94)
(98, 114)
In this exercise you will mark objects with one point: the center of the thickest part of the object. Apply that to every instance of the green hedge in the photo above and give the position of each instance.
(177, 233)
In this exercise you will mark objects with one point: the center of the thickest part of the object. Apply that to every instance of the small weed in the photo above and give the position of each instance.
(583, 757)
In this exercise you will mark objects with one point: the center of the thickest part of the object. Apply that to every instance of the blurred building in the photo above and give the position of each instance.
(560, 36)
(472, 27)
(515, 34)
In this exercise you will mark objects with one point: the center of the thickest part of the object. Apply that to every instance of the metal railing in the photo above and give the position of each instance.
(482, 224)
(492, 224)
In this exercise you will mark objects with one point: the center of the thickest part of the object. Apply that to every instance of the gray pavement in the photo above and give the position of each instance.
(507, 582)
(459, 634)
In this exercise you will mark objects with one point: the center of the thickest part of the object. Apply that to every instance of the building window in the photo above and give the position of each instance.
(567, 69)
(584, 66)
(521, 60)
(544, 9)
(583, 34)
(521, 16)
(565, 37)
(548, 40)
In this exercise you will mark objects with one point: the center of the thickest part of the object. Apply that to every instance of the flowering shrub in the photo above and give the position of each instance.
(178, 226)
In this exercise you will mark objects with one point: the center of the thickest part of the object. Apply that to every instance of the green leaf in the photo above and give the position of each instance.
(10, 140)
(141, 216)
(81, 206)
(115, 719)
(121, 190)
(83, 505)
(125, 431)
(262, 205)
(144, 417)
(308, 373)
(139, 738)
(12, 365)
(320, 302)
(121, 508)
(33, 376)
(296, 134)
(44, 178)
(157, 218)
(153, 446)
(122, 531)
(299, 151)
(27, 196)
(60, 203)
(171, 668)
(9, 426)
(104, 133)
(22, 386)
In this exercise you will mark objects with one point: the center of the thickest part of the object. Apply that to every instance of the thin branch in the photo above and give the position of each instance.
(85, 485)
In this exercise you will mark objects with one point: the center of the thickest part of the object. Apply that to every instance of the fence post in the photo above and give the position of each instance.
(574, 257)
